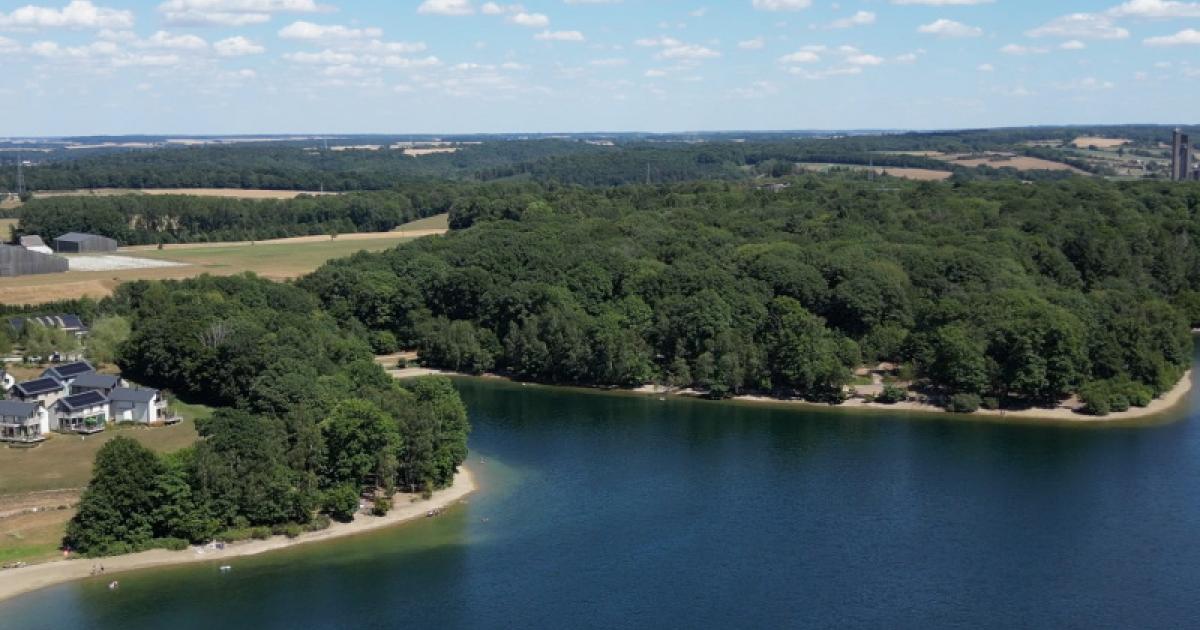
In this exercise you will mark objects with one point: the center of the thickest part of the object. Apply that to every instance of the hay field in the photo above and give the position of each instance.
(6, 226)
(1020, 163)
(282, 259)
(919, 174)
(1100, 143)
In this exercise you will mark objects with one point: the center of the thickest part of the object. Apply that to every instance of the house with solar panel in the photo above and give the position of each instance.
(68, 372)
(96, 382)
(84, 413)
(69, 323)
(44, 391)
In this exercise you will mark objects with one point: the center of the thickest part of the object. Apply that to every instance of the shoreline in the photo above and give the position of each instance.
(14, 582)
(1166, 402)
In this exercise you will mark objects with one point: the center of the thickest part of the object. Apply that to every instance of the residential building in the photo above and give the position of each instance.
(68, 372)
(44, 391)
(81, 413)
(95, 382)
(6, 381)
(79, 243)
(22, 422)
(70, 323)
(143, 406)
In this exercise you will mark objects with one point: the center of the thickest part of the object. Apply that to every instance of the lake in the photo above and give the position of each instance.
(609, 510)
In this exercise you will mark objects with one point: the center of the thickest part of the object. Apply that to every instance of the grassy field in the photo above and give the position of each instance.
(922, 174)
(6, 226)
(277, 260)
(40, 487)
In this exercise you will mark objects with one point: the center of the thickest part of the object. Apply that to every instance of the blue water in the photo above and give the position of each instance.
(603, 510)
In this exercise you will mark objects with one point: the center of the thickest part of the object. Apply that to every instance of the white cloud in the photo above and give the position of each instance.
(8, 46)
(985, 67)
(1080, 26)
(654, 73)
(609, 63)
(320, 32)
(1073, 44)
(446, 7)
(758, 89)
(942, 3)
(781, 5)
(232, 12)
(1156, 9)
(1018, 49)
(752, 44)
(800, 56)
(861, 18)
(672, 48)
(1089, 84)
(532, 20)
(237, 47)
(864, 60)
(165, 40)
(949, 29)
(1183, 38)
(79, 14)
(560, 36)
(698, 13)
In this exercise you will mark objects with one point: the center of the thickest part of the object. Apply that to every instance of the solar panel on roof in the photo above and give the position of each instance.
(71, 369)
(39, 386)
(85, 399)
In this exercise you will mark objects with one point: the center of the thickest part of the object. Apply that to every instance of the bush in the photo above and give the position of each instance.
(318, 523)
(171, 544)
(384, 342)
(260, 533)
(1096, 398)
(382, 506)
(891, 395)
(341, 502)
(990, 402)
(964, 403)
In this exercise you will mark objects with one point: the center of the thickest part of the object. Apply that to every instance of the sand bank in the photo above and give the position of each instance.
(15, 582)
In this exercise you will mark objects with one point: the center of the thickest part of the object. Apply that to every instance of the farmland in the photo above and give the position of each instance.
(1002, 160)
(920, 174)
(278, 260)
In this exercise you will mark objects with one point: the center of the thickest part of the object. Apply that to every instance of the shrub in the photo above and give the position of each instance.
(382, 506)
(341, 502)
(1096, 398)
(260, 533)
(990, 402)
(318, 523)
(964, 403)
(384, 342)
(891, 395)
(171, 544)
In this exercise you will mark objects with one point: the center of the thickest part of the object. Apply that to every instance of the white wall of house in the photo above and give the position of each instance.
(142, 413)
(43, 416)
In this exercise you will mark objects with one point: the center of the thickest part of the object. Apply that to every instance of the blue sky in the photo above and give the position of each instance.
(457, 66)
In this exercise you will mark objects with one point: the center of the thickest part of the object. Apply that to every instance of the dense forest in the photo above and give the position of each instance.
(306, 420)
(632, 158)
(151, 219)
(991, 294)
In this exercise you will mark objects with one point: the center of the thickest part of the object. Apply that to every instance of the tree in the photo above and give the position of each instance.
(106, 336)
(116, 509)
(803, 353)
(362, 442)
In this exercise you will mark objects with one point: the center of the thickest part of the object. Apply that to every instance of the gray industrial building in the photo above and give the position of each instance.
(18, 261)
(79, 243)
(1181, 158)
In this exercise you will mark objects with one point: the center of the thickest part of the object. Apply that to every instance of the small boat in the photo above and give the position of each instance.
(225, 568)
(113, 585)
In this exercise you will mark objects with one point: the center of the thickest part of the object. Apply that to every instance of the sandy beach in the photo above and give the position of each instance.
(15, 582)
(1065, 412)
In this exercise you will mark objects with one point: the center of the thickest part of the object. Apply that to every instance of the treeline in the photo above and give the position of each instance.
(296, 166)
(151, 219)
(307, 421)
(988, 293)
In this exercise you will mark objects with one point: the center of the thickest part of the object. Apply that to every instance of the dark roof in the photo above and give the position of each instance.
(66, 322)
(96, 380)
(79, 237)
(126, 394)
(37, 386)
(68, 370)
(17, 408)
(86, 399)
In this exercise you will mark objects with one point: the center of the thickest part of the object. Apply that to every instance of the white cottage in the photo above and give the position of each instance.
(23, 423)
(143, 406)
(82, 413)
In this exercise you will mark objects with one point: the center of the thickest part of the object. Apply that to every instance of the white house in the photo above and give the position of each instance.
(95, 382)
(143, 406)
(6, 381)
(23, 423)
(81, 413)
(68, 372)
(44, 391)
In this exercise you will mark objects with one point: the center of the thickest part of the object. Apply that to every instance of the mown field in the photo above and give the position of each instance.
(278, 260)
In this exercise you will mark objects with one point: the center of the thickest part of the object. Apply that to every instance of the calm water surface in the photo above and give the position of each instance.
(619, 511)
